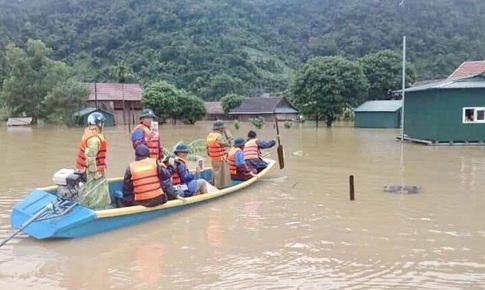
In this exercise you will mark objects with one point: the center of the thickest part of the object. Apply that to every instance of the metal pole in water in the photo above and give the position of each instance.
(403, 84)
(351, 187)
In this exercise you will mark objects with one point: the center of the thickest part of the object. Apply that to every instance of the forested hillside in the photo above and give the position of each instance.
(215, 47)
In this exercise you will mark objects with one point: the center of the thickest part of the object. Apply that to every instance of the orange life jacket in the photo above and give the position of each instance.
(251, 150)
(100, 157)
(145, 179)
(175, 177)
(231, 160)
(215, 150)
(153, 143)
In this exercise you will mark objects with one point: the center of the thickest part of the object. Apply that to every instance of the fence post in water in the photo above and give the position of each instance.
(351, 187)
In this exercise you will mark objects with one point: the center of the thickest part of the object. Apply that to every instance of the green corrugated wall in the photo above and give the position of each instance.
(436, 115)
(377, 119)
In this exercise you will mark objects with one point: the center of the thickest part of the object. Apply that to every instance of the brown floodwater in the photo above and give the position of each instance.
(294, 229)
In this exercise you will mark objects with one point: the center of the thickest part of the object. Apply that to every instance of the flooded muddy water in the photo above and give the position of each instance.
(294, 229)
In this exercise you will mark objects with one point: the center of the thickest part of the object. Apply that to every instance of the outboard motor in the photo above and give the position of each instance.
(69, 182)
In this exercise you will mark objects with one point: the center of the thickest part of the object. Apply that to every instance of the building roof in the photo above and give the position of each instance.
(379, 106)
(87, 111)
(468, 69)
(265, 105)
(213, 108)
(474, 82)
(114, 92)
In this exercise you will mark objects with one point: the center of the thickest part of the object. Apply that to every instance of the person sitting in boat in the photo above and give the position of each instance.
(237, 166)
(142, 183)
(91, 159)
(182, 178)
(143, 134)
(252, 151)
(217, 141)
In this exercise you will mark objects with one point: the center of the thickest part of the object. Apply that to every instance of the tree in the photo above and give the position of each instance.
(31, 75)
(383, 70)
(64, 100)
(324, 86)
(231, 101)
(192, 108)
(163, 98)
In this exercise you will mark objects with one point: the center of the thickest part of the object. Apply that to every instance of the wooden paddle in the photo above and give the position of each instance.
(281, 156)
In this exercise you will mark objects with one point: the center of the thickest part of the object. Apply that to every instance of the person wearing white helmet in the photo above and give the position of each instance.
(91, 159)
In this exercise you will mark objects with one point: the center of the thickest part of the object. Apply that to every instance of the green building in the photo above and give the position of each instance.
(447, 111)
(81, 117)
(378, 114)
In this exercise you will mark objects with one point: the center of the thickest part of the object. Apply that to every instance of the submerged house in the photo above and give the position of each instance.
(378, 114)
(214, 111)
(122, 100)
(266, 107)
(81, 117)
(450, 111)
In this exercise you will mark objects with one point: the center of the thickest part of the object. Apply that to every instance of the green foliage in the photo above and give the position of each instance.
(191, 107)
(348, 114)
(168, 102)
(326, 85)
(163, 99)
(31, 75)
(231, 101)
(214, 48)
(237, 126)
(383, 70)
(257, 122)
(122, 73)
(63, 101)
(4, 113)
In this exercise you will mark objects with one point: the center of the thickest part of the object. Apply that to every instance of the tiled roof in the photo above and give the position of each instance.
(379, 106)
(264, 105)
(213, 108)
(114, 92)
(468, 69)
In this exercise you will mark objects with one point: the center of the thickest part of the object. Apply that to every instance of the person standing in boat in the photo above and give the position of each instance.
(238, 168)
(252, 151)
(182, 178)
(91, 159)
(145, 134)
(217, 142)
(142, 182)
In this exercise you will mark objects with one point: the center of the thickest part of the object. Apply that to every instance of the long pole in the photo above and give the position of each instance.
(403, 85)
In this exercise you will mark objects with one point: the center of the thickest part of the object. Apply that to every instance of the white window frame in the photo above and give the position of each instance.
(475, 110)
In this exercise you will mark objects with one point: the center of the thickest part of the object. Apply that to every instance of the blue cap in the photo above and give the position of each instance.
(239, 142)
(142, 151)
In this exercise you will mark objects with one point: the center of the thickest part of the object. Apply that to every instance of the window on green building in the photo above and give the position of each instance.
(474, 115)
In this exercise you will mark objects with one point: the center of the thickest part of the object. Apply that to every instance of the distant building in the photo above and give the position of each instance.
(19, 121)
(122, 100)
(450, 111)
(81, 117)
(267, 107)
(378, 114)
(214, 111)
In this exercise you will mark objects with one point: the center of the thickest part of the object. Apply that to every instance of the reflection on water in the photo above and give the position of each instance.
(295, 229)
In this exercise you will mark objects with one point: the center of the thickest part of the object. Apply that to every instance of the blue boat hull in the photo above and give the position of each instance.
(81, 221)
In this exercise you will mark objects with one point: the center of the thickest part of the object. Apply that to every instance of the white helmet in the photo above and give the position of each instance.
(96, 118)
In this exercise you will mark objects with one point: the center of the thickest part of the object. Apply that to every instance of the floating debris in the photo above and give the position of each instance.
(298, 153)
(408, 189)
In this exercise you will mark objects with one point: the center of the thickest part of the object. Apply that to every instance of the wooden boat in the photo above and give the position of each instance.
(42, 215)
